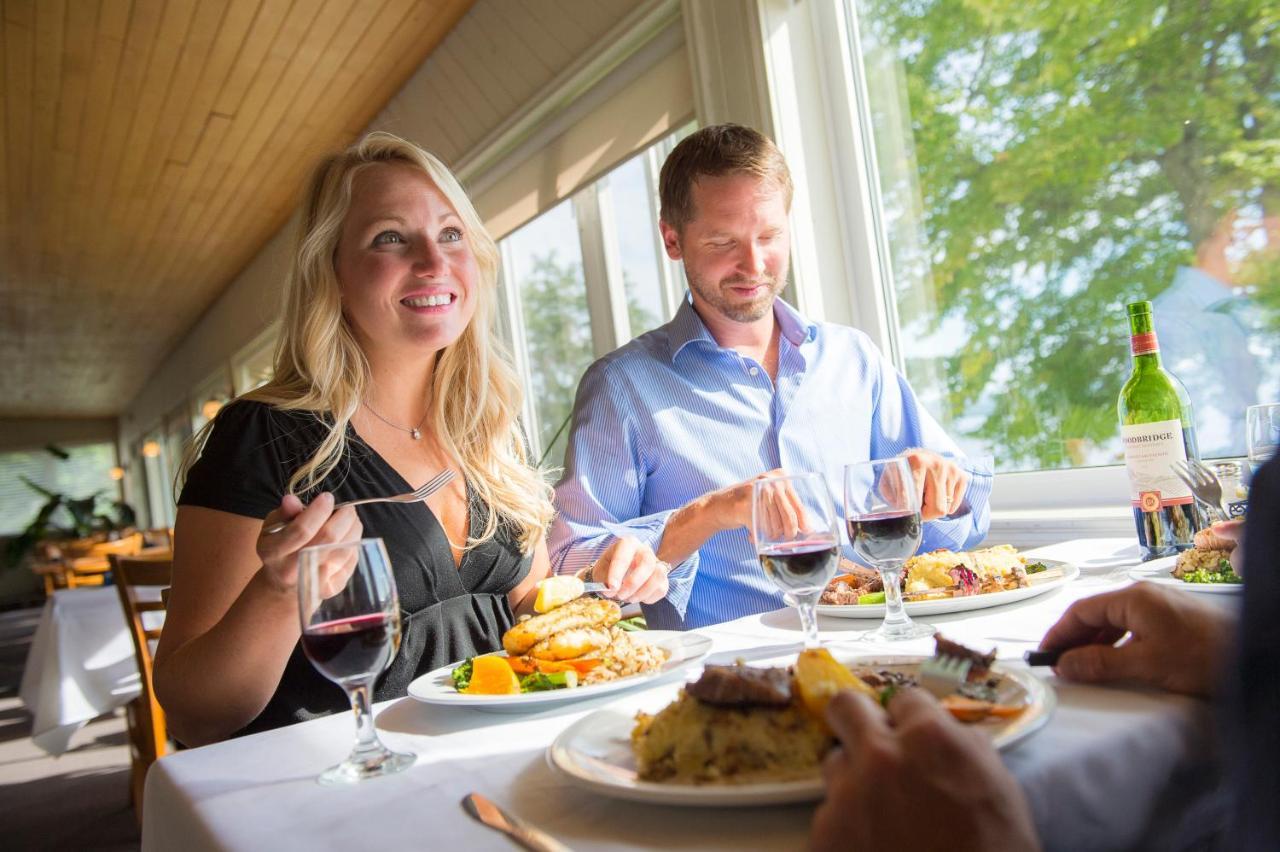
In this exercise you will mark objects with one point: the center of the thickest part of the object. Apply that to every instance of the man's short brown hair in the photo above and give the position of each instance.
(721, 149)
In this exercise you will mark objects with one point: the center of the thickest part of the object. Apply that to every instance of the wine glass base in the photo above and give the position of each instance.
(899, 632)
(359, 767)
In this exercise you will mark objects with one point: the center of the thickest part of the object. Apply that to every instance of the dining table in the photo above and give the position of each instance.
(81, 663)
(1111, 768)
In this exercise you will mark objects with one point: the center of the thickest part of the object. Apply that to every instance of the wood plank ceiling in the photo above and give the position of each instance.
(148, 149)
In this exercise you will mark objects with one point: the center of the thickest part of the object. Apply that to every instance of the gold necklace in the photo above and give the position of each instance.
(415, 433)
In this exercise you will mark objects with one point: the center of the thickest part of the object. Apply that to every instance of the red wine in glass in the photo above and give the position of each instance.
(350, 631)
(885, 536)
(352, 648)
(799, 566)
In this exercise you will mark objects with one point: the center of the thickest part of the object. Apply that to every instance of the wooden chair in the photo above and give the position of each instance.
(91, 568)
(148, 737)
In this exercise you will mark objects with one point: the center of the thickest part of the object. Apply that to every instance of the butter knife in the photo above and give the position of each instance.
(485, 811)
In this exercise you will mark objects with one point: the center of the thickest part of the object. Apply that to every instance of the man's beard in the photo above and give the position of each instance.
(738, 311)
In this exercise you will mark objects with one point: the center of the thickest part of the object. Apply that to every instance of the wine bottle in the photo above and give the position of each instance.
(1157, 429)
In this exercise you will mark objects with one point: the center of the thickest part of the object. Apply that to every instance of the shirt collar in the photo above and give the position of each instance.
(687, 327)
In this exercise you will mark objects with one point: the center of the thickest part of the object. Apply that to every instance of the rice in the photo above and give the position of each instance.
(1196, 559)
(692, 742)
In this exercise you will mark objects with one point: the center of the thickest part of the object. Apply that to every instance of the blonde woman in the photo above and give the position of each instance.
(387, 372)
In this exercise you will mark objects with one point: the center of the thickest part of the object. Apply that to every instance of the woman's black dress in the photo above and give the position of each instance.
(448, 611)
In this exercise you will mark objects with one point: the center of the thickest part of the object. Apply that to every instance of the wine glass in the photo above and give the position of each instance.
(882, 508)
(350, 632)
(797, 540)
(1262, 429)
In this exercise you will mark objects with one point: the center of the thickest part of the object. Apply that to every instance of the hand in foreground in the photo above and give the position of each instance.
(307, 526)
(631, 572)
(915, 778)
(1176, 641)
(941, 482)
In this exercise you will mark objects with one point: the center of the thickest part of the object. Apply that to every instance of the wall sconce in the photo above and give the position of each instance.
(116, 473)
(151, 449)
(210, 408)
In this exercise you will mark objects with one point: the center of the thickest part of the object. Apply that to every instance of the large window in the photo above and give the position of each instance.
(1040, 165)
(543, 261)
(582, 279)
(84, 472)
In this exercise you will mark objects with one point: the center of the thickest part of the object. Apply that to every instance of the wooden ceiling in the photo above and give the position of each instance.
(148, 149)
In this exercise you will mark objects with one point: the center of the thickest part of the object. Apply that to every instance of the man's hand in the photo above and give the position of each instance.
(632, 572)
(941, 483)
(915, 778)
(1174, 640)
(730, 508)
(691, 525)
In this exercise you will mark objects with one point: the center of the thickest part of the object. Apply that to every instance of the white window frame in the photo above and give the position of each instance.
(511, 321)
(670, 272)
(252, 352)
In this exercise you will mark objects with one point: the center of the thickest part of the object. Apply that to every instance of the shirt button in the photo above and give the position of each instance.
(755, 371)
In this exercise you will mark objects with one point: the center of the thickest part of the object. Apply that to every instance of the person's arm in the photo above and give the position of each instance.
(1171, 639)
(958, 517)
(232, 620)
(523, 595)
(598, 501)
(915, 778)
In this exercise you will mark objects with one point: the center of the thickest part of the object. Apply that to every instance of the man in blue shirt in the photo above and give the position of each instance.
(670, 431)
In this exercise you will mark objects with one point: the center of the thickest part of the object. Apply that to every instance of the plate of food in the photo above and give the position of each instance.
(1205, 568)
(576, 647)
(943, 581)
(747, 735)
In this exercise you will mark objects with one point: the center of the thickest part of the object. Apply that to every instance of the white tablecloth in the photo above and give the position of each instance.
(1098, 775)
(80, 664)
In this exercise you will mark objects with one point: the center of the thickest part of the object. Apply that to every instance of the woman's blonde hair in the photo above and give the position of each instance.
(476, 395)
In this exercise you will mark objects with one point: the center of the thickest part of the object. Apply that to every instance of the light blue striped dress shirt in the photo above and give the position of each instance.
(672, 415)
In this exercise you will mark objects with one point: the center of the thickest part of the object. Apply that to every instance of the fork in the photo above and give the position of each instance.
(432, 485)
(942, 676)
(1203, 483)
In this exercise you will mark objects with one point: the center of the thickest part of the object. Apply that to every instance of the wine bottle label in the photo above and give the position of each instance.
(1144, 344)
(1150, 451)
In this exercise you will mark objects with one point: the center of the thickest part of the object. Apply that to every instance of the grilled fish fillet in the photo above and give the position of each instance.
(583, 612)
(571, 644)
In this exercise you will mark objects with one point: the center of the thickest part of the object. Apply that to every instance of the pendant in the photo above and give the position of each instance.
(415, 434)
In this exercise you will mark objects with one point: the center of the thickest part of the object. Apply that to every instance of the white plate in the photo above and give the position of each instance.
(436, 687)
(1157, 571)
(960, 604)
(595, 751)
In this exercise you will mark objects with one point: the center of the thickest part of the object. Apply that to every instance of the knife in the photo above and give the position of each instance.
(485, 811)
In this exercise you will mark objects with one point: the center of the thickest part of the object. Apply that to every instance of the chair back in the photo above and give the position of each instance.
(91, 568)
(148, 737)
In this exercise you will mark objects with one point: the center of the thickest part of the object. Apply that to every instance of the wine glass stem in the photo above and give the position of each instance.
(891, 576)
(366, 735)
(807, 607)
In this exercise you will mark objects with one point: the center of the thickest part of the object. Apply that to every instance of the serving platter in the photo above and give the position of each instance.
(963, 603)
(685, 649)
(595, 752)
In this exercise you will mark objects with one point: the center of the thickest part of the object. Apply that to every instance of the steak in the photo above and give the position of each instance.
(981, 663)
(742, 686)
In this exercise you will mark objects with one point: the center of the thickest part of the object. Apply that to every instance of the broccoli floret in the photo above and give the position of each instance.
(462, 674)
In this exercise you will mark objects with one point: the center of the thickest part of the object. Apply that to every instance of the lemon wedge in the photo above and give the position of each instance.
(557, 591)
